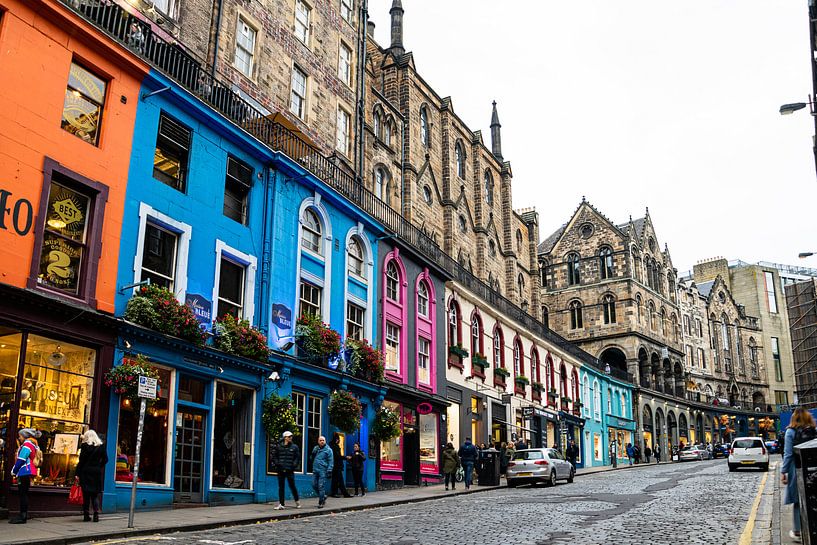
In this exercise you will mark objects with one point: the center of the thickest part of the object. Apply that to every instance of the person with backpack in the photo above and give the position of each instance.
(451, 462)
(468, 457)
(801, 429)
(630, 453)
(90, 472)
(29, 458)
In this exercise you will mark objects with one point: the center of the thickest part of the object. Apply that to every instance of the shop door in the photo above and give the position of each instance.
(411, 455)
(189, 456)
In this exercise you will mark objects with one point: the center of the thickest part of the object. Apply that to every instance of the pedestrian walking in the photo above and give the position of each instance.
(451, 462)
(25, 467)
(613, 454)
(630, 452)
(322, 463)
(356, 460)
(91, 472)
(656, 451)
(338, 480)
(468, 457)
(521, 444)
(287, 461)
(572, 453)
(503, 458)
(637, 454)
(800, 430)
(647, 454)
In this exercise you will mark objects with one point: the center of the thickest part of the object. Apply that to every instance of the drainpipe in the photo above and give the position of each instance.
(403, 144)
(266, 250)
(220, 6)
(363, 23)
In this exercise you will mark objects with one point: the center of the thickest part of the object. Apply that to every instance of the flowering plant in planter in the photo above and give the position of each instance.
(480, 360)
(365, 361)
(316, 339)
(458, 351)
(565, 400)
(552, 393)
(537, 387)
(386, 425)
(502, 372)
(240, 338)
(156, 308)
(522, 380)
(279, 414)
(344, 411)
(124, 379)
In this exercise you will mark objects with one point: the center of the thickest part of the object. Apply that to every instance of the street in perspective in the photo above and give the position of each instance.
(408, 272)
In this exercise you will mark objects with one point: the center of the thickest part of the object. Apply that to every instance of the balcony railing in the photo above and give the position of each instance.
(137, 35)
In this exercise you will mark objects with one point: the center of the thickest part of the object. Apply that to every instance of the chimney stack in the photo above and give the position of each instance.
(397, 29)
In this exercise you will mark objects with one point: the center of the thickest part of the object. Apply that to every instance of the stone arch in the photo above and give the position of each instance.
(667, 374)
(759, 401)
(678, 376)
(647, 426)
(660, 430)
(672, 428)
(643, 368)
(614, 357)
(683, 429)
(734, 395)
(655, 364)
(699, 427)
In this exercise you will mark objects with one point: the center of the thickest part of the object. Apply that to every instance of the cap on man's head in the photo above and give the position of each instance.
(287, 434)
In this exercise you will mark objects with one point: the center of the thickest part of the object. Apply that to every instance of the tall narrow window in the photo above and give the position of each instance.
(392, 282)
(422, 299)
(771, 292)
(573, 269)
(84, 102)
(686, 324)
(459, 155)
(302, 16)
(346, 10)
(377, 121)
(311, 232)
(702, 358)
(520, 286)
(387, 131)
(543, 273)
(778, 368)
(392, 348)
(489, 187)
(499, 360)
(237, 186)
(310, 304)
(753, 357)
(380, 183)
(172, 153)
(605, 263)
(454, 325)
(345, 64)
(609, 309)
(159, 256)
(546, 317)
(297, 101)
(576, 320)
(245, 47)
(425, 134)
(230, 289)
(355, 254)
(423, 361)
(476, 336)
(518, 365)
(343, 127)
(354, 321)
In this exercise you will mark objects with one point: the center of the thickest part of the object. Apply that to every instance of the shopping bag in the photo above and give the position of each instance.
(75, 495)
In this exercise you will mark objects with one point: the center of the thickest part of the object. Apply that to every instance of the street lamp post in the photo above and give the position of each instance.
(803, 255)
(788, 109)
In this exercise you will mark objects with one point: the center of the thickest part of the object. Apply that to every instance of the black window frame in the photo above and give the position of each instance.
(180, 144)
(237, 189)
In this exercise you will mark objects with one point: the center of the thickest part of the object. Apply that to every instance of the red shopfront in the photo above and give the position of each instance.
(413, 457)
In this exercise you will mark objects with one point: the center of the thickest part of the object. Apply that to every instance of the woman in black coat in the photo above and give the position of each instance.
(90, 471)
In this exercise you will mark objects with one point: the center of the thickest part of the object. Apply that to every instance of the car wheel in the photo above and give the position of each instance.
(764, 467)
(732, 467)
(552, 480)
(572, 474)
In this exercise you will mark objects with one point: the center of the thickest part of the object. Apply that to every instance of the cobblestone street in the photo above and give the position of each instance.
(689, 503)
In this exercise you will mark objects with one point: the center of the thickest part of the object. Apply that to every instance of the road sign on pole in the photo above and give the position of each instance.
(147, 390)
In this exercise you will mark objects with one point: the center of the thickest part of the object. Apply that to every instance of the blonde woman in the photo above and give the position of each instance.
(90, 470)
(801, 429)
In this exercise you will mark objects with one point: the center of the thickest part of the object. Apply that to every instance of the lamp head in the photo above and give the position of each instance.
(803, 255)
(787, 109)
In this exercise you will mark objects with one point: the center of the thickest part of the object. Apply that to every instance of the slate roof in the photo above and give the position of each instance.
(547, 245)
(705, 287)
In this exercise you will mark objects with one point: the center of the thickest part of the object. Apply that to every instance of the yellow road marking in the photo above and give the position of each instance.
(746, 536)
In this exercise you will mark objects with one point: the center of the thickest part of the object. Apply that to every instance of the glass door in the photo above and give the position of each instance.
(189, 456)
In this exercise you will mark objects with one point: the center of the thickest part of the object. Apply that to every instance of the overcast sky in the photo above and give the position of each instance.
(638, 103)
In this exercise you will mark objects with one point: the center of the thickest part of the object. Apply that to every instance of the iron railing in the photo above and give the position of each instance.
(137, 35)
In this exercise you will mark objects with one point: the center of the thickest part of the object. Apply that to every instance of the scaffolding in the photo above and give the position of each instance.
(801, 300)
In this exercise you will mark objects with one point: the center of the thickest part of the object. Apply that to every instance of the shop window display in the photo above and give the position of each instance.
(153, 456)
(391, 450)
(10, 342)
(428, 443)
(232, 437)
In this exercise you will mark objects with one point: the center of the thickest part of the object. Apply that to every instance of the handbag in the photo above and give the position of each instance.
(75, 495)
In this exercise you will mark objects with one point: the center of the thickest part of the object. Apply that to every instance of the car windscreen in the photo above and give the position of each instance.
(528, 455)
(748, 443)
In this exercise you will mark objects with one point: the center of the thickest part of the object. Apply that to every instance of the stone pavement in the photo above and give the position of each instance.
(588, 501)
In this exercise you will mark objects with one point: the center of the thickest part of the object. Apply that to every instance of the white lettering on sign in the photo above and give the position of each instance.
(147, 387)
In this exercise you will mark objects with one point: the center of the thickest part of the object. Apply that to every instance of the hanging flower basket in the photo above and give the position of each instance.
(458, 351)
(344, 411)
(480, 361)
(124, 379)
(386, 425)
(522, 380)
(365, 361)
(279, 414)
(537, 387)
(316, 340)
(239, 337)
(502, 372)
(156, 308)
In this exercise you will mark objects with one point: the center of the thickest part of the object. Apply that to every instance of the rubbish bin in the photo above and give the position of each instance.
(489, 468)
(806, 453)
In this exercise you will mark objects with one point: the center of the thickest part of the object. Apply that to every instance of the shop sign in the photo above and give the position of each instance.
(527, 412)
(539, 412)
(19, 211)
(202, 307)
(425, 408)
(282, 323)
(147, 387)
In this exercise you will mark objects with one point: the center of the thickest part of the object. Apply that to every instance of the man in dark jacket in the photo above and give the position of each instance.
(287, 461)
(572, 453)
(338, 480)
(468, 457)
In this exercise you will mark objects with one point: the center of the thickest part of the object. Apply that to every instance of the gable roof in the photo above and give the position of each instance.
(547, 245)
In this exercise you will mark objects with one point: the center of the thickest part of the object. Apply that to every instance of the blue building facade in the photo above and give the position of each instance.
(608, 412)
(229, 226)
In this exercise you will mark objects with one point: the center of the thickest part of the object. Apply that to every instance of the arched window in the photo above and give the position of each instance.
(518, 359)
(546, 317)
(425, 135)
(574, 387)
(609, 401)
(563, 381)
(476, 335)
(671, 285)
(638, 308)
(549, 383)
(663, 322)
(454, 331)
(489, 187)
(459, 155)
(624, 406)
(392, 282)
(499, 353)
(739, 350)
(387, 132)
(608, 304)
(753, 357)
(378, 125)
(311, 232)
(491, 248)
(596, 400)
(422, 299)
(520, 285)
(606, 263)
(519, 240)
(573, 274)
(543, 273)
(586, 396)
(651, 312)
(356, 258)
(674, 324)
(648, 262)
(381, 182)
(575, 315)
(535, 368)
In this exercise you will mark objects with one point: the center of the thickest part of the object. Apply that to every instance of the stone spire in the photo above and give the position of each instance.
(396, 12)
(496, 139)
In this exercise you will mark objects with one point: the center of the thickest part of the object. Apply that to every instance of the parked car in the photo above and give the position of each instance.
(773, 446)
(720, 451)
(694, 452)
(748, 452)
(538, 465)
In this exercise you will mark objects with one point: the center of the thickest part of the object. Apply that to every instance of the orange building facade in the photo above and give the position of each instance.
(68, 101)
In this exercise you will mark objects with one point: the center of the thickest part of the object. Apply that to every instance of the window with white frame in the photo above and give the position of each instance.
(344, 125)
(356, 258)
(310, 300)
(346, 10)
(586, 395)
(459, 154)
(596, 401)
(159, 256)
(423, 361)
(230, 289)
(355, 316)
(303, 13)
(297, 102)
(425, 136)
(609, 401)
(245, 38)
(311, 231)
(624, 405)
(345, 64)
(166, 7)
(392, 355)
(498, 350)
(422, 299)
(392, 282)
(771, 292)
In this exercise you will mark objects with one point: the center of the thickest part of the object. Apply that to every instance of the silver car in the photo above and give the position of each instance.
(694, 452)
(538, 465)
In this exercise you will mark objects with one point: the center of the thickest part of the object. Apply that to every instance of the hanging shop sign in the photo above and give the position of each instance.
(281, 324)
(202, 308)
(424, 408)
